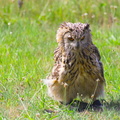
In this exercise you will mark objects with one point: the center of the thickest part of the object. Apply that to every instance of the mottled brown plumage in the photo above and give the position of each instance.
(77, 69)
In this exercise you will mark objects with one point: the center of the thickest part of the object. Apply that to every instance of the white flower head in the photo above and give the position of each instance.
(9, 24)
(11, 32)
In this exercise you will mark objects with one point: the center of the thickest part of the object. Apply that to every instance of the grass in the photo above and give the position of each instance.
(27, 42)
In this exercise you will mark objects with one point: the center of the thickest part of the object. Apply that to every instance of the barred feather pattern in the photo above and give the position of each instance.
(76, 71)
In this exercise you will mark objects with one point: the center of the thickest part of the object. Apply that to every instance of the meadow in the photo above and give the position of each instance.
(27, 43)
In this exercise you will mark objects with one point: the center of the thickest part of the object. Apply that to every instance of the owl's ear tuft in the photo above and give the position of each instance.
(60, 33)
(87, 26)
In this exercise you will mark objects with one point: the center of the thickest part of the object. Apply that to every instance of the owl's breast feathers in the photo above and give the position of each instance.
(70, 65)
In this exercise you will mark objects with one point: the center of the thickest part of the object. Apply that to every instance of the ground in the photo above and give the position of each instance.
(27, 42)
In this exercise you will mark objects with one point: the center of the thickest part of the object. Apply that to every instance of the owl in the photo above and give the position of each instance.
(77, 69)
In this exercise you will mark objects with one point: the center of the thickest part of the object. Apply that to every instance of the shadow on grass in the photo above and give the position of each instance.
(81, 106)
(113, 105)
(96, 106)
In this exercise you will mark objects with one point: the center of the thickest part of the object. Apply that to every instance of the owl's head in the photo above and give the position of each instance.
(73, 35)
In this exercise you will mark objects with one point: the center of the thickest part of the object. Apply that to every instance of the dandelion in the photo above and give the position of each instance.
(74, 11)
(65, 84)
(111, 6)
(22, 99)
(21, 84)
(9, 24)
(98, 80)
(77, 94)
(10, 33)
(85, 14)
(92, 96)
(105, 13)
(37, 114)
(115, 7)
(114, 18)
(93, 16)
(49, 10)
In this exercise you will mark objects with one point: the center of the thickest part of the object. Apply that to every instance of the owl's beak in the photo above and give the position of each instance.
(77, 45)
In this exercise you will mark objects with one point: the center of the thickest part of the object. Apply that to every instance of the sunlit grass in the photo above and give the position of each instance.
(27, 42)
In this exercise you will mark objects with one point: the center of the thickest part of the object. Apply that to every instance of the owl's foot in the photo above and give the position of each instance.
(96, 106)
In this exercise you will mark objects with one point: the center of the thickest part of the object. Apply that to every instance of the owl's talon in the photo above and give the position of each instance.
(97, 106)
(97, 103)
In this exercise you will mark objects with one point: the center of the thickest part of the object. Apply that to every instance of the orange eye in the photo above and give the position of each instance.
(70, 38)
(82, 37)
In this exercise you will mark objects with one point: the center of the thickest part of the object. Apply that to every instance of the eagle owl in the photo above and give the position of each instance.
(77, 70)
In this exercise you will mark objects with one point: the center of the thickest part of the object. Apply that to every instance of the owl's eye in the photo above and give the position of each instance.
(70, 38)
(82, 37)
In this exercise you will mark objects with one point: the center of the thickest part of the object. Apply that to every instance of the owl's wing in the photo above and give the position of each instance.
(54, 76)
(95, 58)
(96, 52)
(92, 54)
(57, 55)
(56, 68)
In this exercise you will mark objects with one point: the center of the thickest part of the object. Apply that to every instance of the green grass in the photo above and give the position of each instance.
(27, 42)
